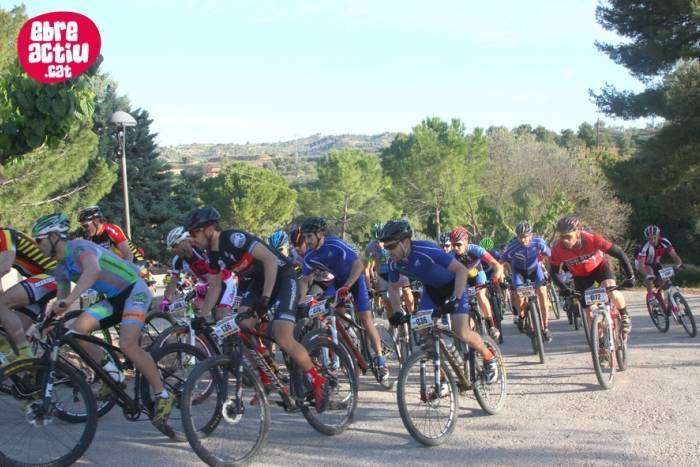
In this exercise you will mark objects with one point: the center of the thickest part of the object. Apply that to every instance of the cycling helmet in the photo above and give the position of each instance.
(278, 239)
(487, 243)
(201, 217)
(377, 229)
(523, 228)
(313, 225)
(652, 231)
(568, 224)
(444, 238)
(396, 231)
(89, 213)
(56, 222)
(175, 236)
(459, 235)
(295, 236)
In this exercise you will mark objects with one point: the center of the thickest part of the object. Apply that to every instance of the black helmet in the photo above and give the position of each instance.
(89, 213)
(396, 231)
(523, 228)
(313, 225)
(568, 224)
(201, 217)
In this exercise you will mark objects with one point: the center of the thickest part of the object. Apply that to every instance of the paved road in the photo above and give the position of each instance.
(556, 414)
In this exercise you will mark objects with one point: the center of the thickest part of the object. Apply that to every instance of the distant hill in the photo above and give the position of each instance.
(311, 147)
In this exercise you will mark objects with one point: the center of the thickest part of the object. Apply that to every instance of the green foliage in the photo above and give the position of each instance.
(350, 192)
(250, 198)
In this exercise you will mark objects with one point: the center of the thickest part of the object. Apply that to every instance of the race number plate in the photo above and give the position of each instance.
(89, 297)
(226, 328)
(318, 309)
(526, 291)
(596, 296)
(666, 273)
(421, 319)
(177, 306)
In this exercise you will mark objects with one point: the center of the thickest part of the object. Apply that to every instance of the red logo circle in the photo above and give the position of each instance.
(57, 46)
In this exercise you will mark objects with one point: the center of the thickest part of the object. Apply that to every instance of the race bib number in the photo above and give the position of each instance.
(318, 309)
(177, 306)
(526, 291)
(226, 328)
(666, 273)
(596, 296)
(421, 319)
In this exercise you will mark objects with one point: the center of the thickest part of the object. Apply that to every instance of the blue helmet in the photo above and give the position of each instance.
(278, 239)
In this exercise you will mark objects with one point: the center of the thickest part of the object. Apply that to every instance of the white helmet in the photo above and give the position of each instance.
(176, 235)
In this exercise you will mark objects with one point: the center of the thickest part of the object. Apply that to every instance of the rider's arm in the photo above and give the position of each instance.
(125, 252)
(460, 277)
(269, 260)
(304, 285)
(91, 271)
(7, 259)
(213, 293)
(395, 295)
(170, 289)
(554, 274)
(617, 253)
(677, 259)
(355, 273)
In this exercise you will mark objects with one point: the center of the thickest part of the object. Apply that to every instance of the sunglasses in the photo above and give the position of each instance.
(390, 246)
(568, 236)
(458, 244)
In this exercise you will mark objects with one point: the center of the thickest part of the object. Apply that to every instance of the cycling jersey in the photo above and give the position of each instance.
(584, 258)
(236, 254)
(111, 236)
(374, 251)
(334, 256)
(116, 275)
(196, 266)
(650, 254)
(474, 256)
(488, 269)
(525, 258)
(29, 260)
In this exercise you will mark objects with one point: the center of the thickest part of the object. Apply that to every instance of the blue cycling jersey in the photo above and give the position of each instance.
(427, 263)
(472, 258)
(497, 256)
(525, 258)
(334, 256)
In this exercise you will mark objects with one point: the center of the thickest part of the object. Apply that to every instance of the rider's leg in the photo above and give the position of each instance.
(88, 322)
(542, 298)
(15, 296)
(363, 310)
(460, 325)
(129, 344)
(284, 335)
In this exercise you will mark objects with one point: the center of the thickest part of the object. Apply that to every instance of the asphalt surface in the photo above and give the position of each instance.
(556, 414)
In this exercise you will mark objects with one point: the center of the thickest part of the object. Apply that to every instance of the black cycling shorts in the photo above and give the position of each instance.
(599, 274)
(285, 295)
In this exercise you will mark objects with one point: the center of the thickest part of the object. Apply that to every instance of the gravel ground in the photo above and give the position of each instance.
(556, 414)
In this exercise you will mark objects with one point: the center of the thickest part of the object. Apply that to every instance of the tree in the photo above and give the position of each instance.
(250, 198)
(350, 191)
(432, 170)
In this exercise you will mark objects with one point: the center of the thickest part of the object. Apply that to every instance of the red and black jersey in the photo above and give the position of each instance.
(29, 260)
(583, 258)
(196, 266)
(650, 254)
(111, 236)
(235, 251)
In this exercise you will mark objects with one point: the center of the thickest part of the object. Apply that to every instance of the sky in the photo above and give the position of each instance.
(215, 71)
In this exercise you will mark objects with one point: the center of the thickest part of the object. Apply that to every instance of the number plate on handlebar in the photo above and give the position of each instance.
(526, 291)
(596, 296)
(421, 319)
(177, 306)
(226, 328)
(318, 309)
(666, 273)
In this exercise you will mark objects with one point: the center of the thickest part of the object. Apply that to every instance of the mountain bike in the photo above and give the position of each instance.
(532, 325)
(608, 342)
(225, 400)
(481, 324)
(495, 293)
(432, 378)
(669, 301)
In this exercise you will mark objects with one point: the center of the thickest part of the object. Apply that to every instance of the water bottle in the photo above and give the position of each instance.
(452, 350)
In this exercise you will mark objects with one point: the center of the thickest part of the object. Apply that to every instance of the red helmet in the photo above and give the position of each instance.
(459, 235)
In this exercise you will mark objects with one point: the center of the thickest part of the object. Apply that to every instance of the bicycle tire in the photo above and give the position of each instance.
(620, 345)
(585, 324)
(605, 375)
(575, 314)
(154, 325)
(221, 369)
(177, 334)
(490, 405)
(320, 350)
(658, 317)
(186, 357)
(27, 396)
(404, 403)
(554, 300)
(324, 334)
(686, 317)
(538, 341)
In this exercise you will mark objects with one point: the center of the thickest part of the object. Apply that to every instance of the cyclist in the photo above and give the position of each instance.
(377, 272)
(192, 260)
(279, 240)
(20, 252)
(270, 282)
(108, 236)
(333, 255)
(648, 259)
(128, 298)
(522, 255)
(584, 255)
(471, 256)
(444, 284)
(445, 242)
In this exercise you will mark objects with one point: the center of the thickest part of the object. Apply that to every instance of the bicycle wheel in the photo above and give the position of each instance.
(554, 300)
(429, 414)
(658, 316)
(334, 365)
(321, 333)
(491, 397)
(174, 363)
(685, 315)
(620, 345)
(180, 334)
(585, 323)
(390, 350)
(31, 435)
(227, 427)
(156, 322)
(537, 341)
(575, 310)
(603, 360)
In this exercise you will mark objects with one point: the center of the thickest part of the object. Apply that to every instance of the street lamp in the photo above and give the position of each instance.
(122, 120)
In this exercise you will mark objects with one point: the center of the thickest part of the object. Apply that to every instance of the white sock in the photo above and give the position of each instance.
(164, 394)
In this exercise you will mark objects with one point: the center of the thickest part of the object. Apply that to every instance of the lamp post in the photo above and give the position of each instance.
(123, 120)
